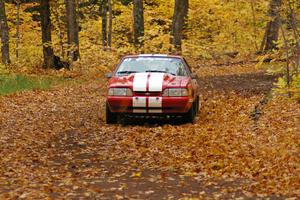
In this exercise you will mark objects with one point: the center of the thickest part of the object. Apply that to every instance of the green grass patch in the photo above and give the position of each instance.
(11, 83)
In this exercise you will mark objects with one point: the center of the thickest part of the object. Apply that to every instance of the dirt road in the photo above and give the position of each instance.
(55, 144)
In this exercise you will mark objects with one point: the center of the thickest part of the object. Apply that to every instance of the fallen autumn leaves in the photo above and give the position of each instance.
(55, 144)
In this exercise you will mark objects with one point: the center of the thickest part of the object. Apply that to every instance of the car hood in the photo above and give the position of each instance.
(149, 82)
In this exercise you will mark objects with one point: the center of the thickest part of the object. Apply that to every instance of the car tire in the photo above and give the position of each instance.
(111, 118)
(190, 115)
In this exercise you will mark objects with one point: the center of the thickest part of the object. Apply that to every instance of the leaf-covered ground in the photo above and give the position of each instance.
(245, 144)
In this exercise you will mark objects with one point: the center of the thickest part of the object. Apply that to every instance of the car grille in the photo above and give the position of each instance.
(150, 94)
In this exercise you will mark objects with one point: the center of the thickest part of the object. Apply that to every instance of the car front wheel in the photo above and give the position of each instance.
(191, 114)
(111, 118)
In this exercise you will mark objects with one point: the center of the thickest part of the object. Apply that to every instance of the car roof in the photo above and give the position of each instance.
(153, 55)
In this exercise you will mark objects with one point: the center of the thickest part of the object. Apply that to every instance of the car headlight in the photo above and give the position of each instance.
(120, 92)
(175, 92)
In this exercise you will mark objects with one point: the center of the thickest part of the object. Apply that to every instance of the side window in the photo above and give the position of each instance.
(181, 69)
(187, 66)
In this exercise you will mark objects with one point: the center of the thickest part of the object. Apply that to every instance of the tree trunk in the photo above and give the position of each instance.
(60, 26)
(179, 21)
(109, 36)
(273, 26)
(73, 30)
(254, 23)
(4, 34)
(138, 22)
(104, 23)
(46, 34)
(293, 23)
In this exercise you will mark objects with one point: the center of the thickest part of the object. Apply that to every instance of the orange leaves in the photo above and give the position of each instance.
(136, 175)
(58, 139)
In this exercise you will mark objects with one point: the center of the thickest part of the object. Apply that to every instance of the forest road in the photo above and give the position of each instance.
(56, 144)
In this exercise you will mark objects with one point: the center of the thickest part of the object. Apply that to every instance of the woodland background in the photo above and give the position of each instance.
(91, 35)
(54, 143)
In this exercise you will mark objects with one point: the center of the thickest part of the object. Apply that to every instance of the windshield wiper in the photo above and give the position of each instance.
(126, 72)
(160, 71)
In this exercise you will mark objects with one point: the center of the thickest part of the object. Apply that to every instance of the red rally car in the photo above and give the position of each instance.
(153, 85)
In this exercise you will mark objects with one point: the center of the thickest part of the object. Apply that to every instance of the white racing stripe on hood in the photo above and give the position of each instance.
(156, 82)
(140, 82)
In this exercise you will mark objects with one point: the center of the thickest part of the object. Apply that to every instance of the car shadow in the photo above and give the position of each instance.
(152, 121)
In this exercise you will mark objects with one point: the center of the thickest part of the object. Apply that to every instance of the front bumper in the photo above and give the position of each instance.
(149, 105)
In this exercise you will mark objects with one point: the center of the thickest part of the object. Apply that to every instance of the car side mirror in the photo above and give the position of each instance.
(194, 76)
(109, 75)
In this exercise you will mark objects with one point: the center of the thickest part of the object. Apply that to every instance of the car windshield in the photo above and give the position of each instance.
(173, 66)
